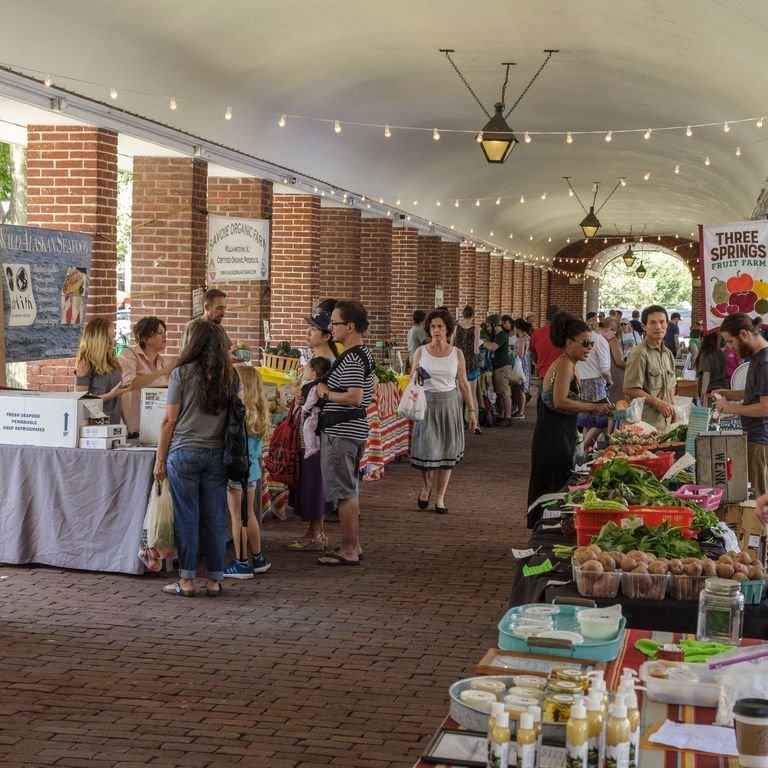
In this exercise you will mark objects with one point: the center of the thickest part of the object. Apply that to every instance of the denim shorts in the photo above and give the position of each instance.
(252, 485)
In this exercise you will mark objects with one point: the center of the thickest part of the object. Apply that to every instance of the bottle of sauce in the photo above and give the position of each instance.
(617, 735)
(536, 712)
(596, 726)
(526, 742)
(499, 742)
(577, 736)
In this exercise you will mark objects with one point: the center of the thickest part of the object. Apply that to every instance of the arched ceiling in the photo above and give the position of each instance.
(623, 66)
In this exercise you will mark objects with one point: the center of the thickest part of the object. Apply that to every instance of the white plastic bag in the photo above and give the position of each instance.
(518, 375)
(413, 403)
(682, 406)
(160, 520)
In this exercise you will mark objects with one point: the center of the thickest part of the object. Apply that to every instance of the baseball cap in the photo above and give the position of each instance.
(320, 320)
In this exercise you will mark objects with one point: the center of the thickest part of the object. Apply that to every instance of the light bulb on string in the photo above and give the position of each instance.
(738, 151)
(337, 126)
(706, 160)
(688, 131)
(647, 134)
(381, 200)
(647, 176)
(609, 136)
(456, 204)
(281, 122)
(113, 92)
(438, 203)
(677, 169)
(477, 202)
(435, 134)
(570, 192)
(397, 202)
(522, 198)
(623, 181)
(498, 201)
(726, 128)
(387, 132)
(172, 104)
(479, 138)
(568, 138)
(543, 195)
(48, 81)
(527, 137)
(228, 114)
(759, 123)
(415, 202)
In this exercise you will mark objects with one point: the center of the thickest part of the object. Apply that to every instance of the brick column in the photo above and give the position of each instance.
(482, 273)
(430, 272)
(449, 269)
(518, 289)
(536, 295)
(567, 297)
(295, 269)
(527, 287)
(546, 276)
(467, 276)
(376, 277)
(168, 251)
(72, 186)
(339, 253)
(248, 302)
(507, 270)
(405, 263)
(494, 283)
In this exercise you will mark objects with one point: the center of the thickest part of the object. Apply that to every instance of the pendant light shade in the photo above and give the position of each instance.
(590, 224)
(629, 257)
(498, 140)
(641, 271)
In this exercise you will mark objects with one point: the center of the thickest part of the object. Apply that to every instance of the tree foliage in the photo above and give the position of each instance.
(6, 172)
(667, 282)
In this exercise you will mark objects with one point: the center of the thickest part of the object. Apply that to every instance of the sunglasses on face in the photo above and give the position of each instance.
(587, 343)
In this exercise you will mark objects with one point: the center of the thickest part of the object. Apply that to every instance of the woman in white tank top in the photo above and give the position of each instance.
(438, 441)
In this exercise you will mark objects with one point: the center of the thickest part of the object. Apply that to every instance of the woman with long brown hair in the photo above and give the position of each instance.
(191, 451)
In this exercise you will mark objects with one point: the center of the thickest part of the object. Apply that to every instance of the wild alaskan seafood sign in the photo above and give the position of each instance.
(45, 291)
(734, 271)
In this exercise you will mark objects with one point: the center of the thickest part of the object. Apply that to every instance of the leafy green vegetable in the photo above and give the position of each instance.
(661, 540)
(677, 435)
(385, 374)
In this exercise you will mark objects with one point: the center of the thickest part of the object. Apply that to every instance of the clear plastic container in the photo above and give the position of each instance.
(644, 586)
(721, 612)
(590, 584)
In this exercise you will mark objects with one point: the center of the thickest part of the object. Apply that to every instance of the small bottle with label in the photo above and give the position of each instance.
(526, 742)
(596, 726)
(577, 736)
(499, 742)
(536, 713)
(496, 709)
(633, 715)
(617, 735)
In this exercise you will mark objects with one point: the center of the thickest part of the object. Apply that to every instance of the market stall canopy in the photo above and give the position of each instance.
(623, 67)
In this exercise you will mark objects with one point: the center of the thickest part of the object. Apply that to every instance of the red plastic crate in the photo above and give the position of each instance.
(590, 521)
(659, 464)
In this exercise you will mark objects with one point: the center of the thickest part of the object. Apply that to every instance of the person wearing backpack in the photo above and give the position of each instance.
(345, 394)
(257, 422)
(190, 453)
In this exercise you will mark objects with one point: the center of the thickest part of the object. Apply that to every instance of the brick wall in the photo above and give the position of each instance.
(339, 253)
(566, 296)
(482, 274)
(467, 276)
(430, 270)
(376, 275)
(507, 272)
(494, 283)
(527, 287)
(518, 289)
(405, 265)
(168, 251)
(536, 293)
(449, 268)
(72, 186)
(545, 302)
(248, 302)
(294, 273)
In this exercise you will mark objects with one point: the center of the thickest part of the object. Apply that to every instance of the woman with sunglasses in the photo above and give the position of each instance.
(554, 439)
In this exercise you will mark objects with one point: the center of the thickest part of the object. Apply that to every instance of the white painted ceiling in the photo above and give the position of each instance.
(624, 66)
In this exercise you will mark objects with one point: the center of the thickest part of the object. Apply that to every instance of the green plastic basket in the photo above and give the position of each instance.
(753, 591)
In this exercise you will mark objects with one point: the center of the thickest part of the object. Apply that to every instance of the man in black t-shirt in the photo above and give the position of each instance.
(501, 365)
(345, 394)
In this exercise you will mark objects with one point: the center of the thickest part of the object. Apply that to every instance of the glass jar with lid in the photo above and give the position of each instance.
(721, 612)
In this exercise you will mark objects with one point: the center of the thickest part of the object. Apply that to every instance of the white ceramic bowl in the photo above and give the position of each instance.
(599, 623)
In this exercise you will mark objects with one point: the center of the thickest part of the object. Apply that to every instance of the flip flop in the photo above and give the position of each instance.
(176, 589)
(215, 592)
(336, 559)
(359, 554)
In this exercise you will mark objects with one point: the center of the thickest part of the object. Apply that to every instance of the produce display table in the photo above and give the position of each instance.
(651, 711)
(389, 435)
(74, 508)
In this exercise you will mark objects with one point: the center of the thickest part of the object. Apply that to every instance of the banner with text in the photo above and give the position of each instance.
(238, 249)
(734, 270)
(45, 290)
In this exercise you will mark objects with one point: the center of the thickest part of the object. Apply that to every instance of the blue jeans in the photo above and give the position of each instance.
(199, 492)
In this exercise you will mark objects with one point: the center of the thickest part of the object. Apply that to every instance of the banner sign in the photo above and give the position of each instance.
(734, 270)
(45, 291)
(238, 249)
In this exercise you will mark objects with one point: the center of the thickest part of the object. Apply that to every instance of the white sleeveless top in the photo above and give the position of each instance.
(442, 370)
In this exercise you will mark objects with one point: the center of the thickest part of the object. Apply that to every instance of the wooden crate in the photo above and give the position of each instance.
(720, 455)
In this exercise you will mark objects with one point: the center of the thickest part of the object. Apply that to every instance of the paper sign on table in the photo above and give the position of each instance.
(713, 739)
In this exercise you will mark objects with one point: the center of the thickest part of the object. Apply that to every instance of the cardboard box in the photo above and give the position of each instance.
(151, 414)
(50, 419)
(742, 518)
(104, 430)
(102, 443)
(721, 462)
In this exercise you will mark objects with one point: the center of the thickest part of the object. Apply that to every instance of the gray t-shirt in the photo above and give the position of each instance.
(416, 336)
(100, 384)
(195, 428)
(756, 386)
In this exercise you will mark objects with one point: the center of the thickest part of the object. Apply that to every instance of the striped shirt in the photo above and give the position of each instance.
(350, 371)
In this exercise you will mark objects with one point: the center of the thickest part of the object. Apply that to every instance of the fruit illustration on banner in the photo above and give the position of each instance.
(739, 283)
(744, 300)
(761, 306)
(720, 291)
(761, 289)
(720, 310)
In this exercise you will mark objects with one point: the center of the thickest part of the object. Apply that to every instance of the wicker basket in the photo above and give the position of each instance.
(279, 363)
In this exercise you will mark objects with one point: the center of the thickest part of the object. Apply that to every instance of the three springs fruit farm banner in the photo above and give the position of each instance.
(734, 271)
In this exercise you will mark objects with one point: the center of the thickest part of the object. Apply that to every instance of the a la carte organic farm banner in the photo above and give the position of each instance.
(238, 249)
(734, 271)
(45, 290)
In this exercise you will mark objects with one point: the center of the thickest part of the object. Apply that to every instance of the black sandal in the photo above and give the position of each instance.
(423, 504)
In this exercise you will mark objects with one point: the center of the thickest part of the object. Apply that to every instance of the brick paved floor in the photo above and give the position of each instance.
(301, 667)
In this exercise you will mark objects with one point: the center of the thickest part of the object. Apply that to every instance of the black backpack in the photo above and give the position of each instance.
(237, 464)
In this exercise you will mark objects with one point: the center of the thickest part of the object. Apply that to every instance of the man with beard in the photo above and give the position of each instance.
(214, 308)
(739, 334)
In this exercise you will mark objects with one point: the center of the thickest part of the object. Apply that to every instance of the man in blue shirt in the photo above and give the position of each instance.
(672, 336)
